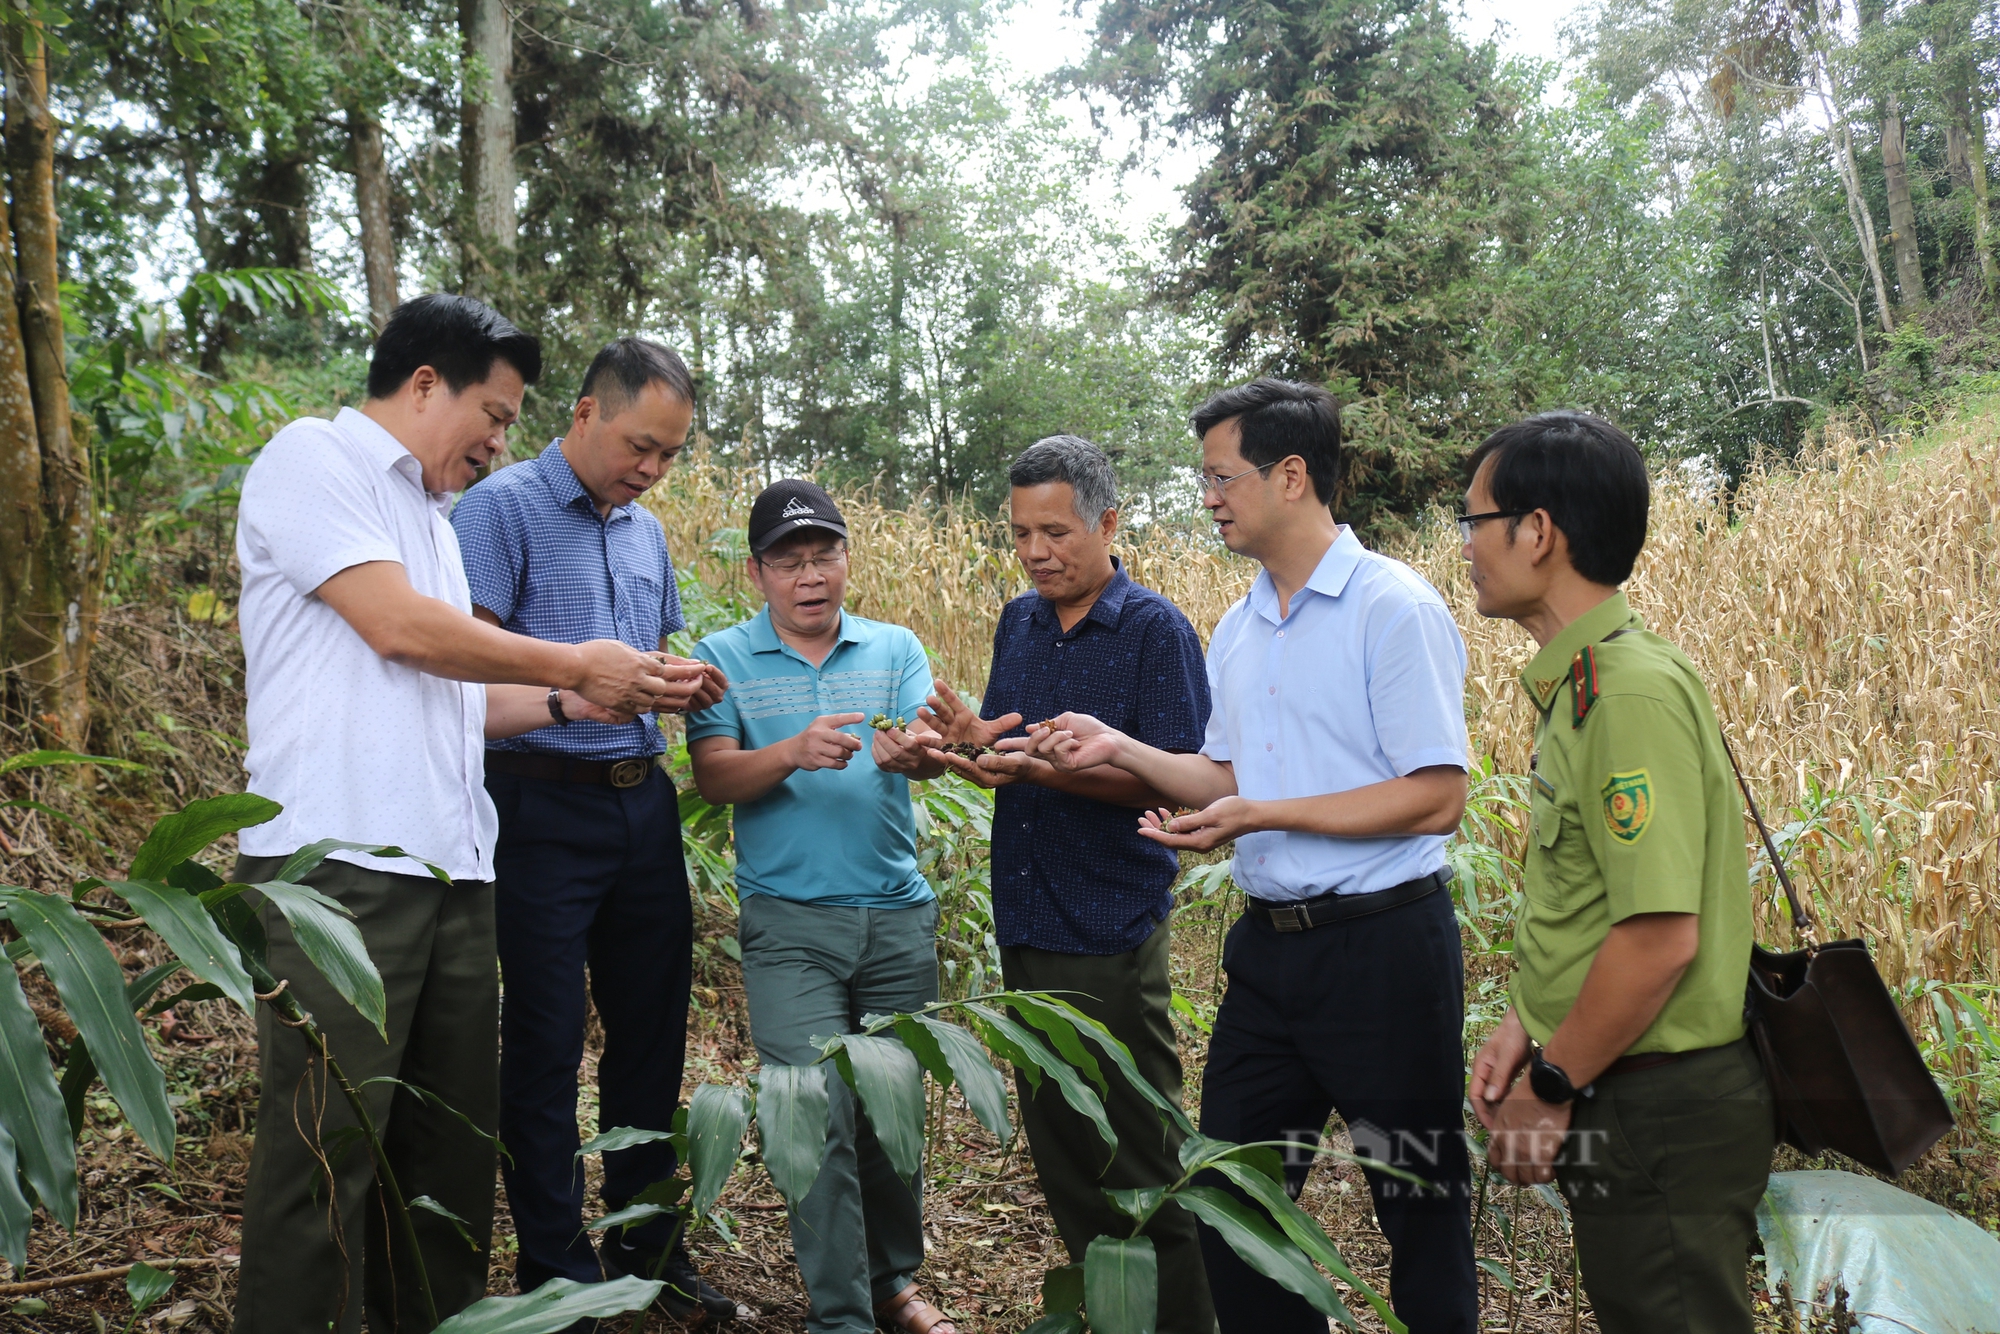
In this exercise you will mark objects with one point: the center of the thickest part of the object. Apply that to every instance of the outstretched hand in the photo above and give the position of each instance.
(1072, 742)
(823, 745)
(1203, 830)
(956, 722)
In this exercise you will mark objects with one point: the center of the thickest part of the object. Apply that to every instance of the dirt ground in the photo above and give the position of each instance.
(172, 698)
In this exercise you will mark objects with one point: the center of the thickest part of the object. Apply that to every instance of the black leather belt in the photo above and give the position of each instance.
(564, 769)
(1330, 908)
(1648, 1060)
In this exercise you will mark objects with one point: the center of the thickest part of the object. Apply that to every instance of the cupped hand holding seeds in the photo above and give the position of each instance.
(1202, 830)
(904, 751)
(823, 745)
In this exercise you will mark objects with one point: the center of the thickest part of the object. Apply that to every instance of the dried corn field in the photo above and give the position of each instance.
(1844, 617)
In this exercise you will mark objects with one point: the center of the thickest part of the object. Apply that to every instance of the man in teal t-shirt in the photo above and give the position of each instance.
(836, 921)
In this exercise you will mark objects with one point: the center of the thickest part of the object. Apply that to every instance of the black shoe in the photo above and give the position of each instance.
(686, 1292)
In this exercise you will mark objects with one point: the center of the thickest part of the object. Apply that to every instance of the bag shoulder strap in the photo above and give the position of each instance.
(1802, 922)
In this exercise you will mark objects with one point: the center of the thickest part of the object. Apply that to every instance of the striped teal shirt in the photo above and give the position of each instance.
(840, 837)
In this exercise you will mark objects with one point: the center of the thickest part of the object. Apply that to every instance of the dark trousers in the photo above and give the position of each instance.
(1131, 994)
(318, 1245)
(588, 877)
(1663, 1172)
(1364, 1017)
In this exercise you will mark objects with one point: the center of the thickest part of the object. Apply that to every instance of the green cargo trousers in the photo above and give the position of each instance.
(811, 971)
(313, 1257)
(1663, 1172)
(1130, 994)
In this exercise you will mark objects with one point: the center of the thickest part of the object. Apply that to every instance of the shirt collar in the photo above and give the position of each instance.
(553, 467)
(764, 636)
(384, 450)
(1547, 670)
(1329, 577)
(1110, 604)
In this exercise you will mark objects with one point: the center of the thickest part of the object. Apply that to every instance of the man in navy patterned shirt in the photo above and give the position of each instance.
(1080, 900)
(589, 868)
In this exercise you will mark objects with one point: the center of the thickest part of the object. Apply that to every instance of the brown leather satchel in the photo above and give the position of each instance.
(1843, 1067)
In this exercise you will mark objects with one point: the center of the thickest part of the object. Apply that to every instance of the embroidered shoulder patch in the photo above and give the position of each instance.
(1582, 685)
(1628, 805)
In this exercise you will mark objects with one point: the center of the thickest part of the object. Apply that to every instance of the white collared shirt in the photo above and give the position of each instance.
(1363, 682)
(354, 746)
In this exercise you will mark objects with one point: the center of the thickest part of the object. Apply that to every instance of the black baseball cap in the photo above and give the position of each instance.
(784, 507)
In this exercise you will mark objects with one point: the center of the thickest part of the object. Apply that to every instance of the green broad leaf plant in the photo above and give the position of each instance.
(215, 936)
(1115, 1289)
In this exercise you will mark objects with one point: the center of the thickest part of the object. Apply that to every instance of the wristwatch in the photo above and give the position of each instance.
(555, 708)
(1551, 1083)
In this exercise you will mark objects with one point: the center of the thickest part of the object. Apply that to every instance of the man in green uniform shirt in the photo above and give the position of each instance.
(1644, 1100)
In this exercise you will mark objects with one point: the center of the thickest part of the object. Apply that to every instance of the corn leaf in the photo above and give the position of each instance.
(178, 918)
(891, 1086)
(1264, 1250)
(556, 1305)
(1060, 1027)
(985, 1091)
(1121, 1284)
(17, 1216)
(179, 836)
(1118, 1053)
(1062, 1289)
(621, 1137)
(791, 1126)
(146, 1285)
(326, 933)
(1071, 1323)
(36, 759)
(1015, 1042)
(307, 859)
(92, 988)
(717, 1120)
(1305, 1233)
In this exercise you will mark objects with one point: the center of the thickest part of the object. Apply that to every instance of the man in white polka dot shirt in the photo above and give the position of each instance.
(372, 690)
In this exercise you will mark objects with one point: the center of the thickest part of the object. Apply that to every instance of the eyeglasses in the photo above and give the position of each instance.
(1466, 521)
(1208, 483)
(792, 566)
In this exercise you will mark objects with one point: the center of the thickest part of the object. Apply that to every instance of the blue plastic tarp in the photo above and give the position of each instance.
(1906, 1264)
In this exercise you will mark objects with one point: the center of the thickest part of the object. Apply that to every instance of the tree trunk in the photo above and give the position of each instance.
(1982, 217)
(1965, 150)
(51, 558)
(371, 201)
(1902, 212)
(486, 145)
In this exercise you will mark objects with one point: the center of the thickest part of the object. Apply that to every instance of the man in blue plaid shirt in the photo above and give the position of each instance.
(589, 867)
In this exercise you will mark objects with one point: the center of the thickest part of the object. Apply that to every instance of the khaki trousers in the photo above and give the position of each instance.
(318, 1244)
(1130, 994)
(1663, 1172)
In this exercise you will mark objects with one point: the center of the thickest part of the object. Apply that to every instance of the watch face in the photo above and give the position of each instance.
(1549, 1084)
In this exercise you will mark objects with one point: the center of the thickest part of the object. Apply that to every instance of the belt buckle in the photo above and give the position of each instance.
(629, 773)
(1287, 918)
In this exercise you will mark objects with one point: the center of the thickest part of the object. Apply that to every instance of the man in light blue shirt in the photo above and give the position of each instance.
(1335, 758)
(836, 921)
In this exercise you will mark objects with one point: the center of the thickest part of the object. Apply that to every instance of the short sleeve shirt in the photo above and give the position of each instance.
(1363, 681)
(538, 557)
(838, 837)
(1071, 874)
(1634, 810)
(352, 745)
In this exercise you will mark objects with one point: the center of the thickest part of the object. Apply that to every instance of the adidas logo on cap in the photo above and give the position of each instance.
(794, 508)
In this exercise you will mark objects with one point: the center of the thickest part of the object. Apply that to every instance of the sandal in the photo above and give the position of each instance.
(909, 1313)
